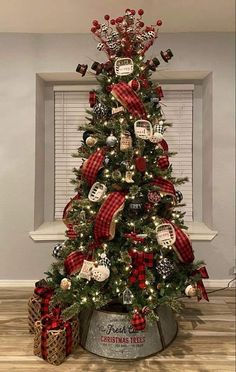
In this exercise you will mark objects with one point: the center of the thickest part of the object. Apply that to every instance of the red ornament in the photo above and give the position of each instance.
(134, 84)
(113, 22)
(159, 22)
(141, 164)
(138, 321)
(95, 22)
(106, 17)
(140, 12)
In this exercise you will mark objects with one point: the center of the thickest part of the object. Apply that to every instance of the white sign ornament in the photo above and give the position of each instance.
(86, 270)
(143, 129)
(97, 192)
(165, 235)
(124, 66)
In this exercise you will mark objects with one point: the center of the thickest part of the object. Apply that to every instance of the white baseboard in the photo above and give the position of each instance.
(209, 283)
(17, 283)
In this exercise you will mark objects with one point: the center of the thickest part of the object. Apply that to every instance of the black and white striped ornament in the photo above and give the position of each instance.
(151, 34)
(179, 196)
(100, 46)
(104, 260)
(57, 250)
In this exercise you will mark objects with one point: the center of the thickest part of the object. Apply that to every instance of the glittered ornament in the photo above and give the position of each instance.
(65, 284)
(190, 291)
(100, 110)
(134, 84)
(165, 267)
(57, 250)
(116, 175)
(154, 197)
(166, 55)
(91, 141)
(178, 196)
(111, 140)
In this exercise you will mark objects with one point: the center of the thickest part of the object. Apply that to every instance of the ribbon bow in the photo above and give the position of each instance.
(45, 293)
(139, 261)
(202, 293)
(135, 237)
(54, 321)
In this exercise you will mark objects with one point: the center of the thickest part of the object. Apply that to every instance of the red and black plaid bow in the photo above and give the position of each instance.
(103, 222)
(202, 271)
(139, 262)
(73, 262)
(129, 99)
(92, 165)
(165, 186)
(46, 294)
(163, 162)
(70, 232)
(92, 98)
(53, 321)
(134, 237)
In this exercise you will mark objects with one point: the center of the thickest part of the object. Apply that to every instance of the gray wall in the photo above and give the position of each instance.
(24, 55)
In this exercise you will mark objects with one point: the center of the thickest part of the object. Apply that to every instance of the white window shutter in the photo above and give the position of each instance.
(70, 111)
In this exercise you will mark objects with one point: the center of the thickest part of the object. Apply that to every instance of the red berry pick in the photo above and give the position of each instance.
(159, 22)
(95, 22)
(113, 22)
(140, 12)
(106, 17)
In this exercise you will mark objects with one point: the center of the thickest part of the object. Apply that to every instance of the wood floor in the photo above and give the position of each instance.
(205, 341)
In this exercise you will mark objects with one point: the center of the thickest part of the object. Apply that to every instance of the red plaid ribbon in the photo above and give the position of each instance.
(129, 99)
(92, 98)
(46, 294)
(73, 262)
(163, 162)
(92, 165)
(133, 236)
(165, 186)
(109, 208)
(54, 322)
(164, 145)
(202, 293)
(139, 261)
(182, 245)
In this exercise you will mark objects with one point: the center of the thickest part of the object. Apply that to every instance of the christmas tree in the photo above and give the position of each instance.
(126, 245)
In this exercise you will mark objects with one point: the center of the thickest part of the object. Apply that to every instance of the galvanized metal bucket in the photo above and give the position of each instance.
(110, 334)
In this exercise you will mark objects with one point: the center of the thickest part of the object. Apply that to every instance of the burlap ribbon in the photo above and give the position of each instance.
(139, 262)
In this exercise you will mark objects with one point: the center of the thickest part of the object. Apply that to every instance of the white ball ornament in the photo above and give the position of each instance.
(65, 284)
(111, 140)
(100, 273)
(190, 291)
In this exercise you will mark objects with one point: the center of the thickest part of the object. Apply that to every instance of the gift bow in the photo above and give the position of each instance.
(139, 261)
(54, 321)
(45, 293)
(202, 293)
(133, 236)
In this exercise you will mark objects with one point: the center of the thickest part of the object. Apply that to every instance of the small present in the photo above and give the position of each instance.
(38, 305)
(54, 338)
